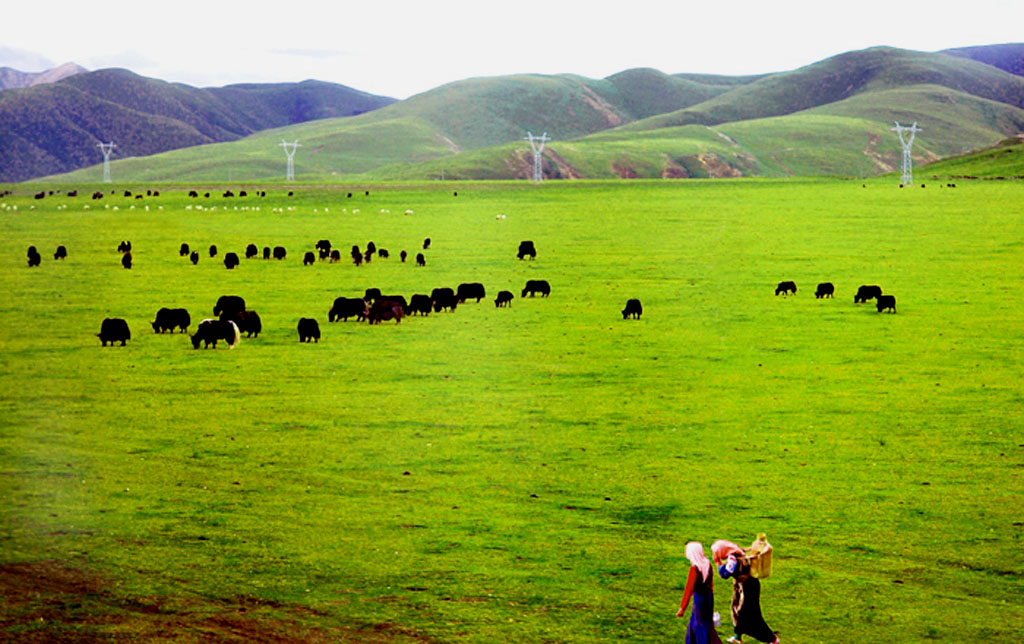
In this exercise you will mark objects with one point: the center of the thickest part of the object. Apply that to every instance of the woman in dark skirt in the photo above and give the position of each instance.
(746, 594)
(699, 586)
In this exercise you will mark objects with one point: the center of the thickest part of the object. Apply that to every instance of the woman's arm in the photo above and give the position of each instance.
(691, 579)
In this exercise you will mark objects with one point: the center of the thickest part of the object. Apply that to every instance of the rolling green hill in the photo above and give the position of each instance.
(829, 118)
(1002, 161)
(55, 127)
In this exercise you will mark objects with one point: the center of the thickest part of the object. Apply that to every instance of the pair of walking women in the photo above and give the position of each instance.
(746, 596)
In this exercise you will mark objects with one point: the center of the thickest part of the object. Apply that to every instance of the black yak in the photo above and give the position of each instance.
(210, 331)
(504, 298)
(536, 286)
(347, 307)
(114, 330)
(470, 290)
(825, 289)
(883, 302)
(526, 248)
(867, 292)
(309, 329)
(167, 319)
(228, 306)
(633, 308)
(786, 288)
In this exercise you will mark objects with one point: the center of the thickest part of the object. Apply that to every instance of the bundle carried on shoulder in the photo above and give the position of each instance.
(760, 557)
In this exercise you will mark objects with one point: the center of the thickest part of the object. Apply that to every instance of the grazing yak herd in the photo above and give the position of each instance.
(864, 293)
(232, 318)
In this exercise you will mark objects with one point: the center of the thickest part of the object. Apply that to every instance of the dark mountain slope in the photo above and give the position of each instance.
(1008, 57)
(49, 128)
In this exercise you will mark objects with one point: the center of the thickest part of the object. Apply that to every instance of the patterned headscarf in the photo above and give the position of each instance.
(695, 553)
(721, 549)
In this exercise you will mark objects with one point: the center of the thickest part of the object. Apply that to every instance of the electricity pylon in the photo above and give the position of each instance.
(106, 148)
(289, 149)
(537, 145)
(907, 175)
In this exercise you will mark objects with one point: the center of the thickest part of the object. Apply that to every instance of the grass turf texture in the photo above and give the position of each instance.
(530, 473)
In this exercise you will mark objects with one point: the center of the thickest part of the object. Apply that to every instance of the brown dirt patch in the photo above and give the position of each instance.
(50, 603)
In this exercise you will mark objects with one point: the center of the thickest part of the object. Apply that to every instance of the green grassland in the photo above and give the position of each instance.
(528, 474)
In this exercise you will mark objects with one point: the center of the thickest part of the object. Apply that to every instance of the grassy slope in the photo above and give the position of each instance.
(1005, 160)
(531, 473)
(832, 118)
(841, 77)
(850, 137)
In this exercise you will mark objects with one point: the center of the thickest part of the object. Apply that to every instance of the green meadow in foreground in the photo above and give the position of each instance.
(529, 474)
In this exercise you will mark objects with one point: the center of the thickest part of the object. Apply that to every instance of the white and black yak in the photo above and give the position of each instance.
(210, 331)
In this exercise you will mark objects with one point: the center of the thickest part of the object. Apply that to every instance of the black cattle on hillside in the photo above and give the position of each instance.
(825, 289)
(184, 250)
(394, 299)
(368, 256)
(167, 319)
(420, 259)
(230, 260)
(61, 252)
(371, 248)
(34, 258)
(251, 251)
(426, 244)
(348, 307)
(249, 323)
(357, 258)
(867, 292)
(371, 294)
(126, 260)
(124, 247)
(309, 329)
(194, 257)
(786, 288)
(526, 248)
(883, 302)
(213, 250)
(403, 255)
(420, 303)
(228, 306)
(210, 332)
(309, 258)
(443, 298)
(383, 253)
(383, 310)
(470, 290)
(335, 255)
(280, 252)
(504, 298)
(536, 286)
(324, 245)
(114, 330)
(633, 308)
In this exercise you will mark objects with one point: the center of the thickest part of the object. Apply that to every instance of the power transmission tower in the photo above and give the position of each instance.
(106, 148)
(537, 145)
(289, 149)
(907, 175)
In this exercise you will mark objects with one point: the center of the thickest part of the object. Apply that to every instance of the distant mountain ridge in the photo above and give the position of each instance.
(1008, 57)
(832, 117)
(54, 128)
(14, 79)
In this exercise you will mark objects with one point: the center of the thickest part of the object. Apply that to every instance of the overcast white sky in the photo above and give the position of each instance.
(401, 47)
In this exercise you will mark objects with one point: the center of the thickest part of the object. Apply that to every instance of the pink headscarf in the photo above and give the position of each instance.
(695, 553)
(721, 549)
